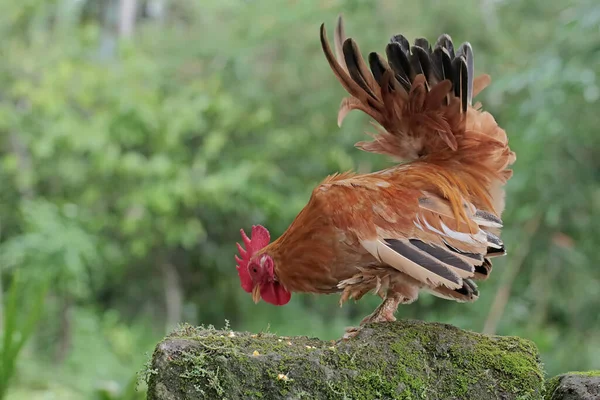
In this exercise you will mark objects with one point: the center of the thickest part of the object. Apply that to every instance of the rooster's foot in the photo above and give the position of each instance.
(350, 332)
(383, 313)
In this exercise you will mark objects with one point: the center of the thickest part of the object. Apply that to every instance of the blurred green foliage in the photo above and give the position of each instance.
(18, 324)
(130, 159)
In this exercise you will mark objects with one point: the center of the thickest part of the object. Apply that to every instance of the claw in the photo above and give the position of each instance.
(350, 332)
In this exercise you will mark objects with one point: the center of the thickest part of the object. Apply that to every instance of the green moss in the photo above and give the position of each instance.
(197, 369)
(550, 386)
(146, 372)
(585, 373)
(373, 385)
(411, 365)
(520, 374)
(253, 394)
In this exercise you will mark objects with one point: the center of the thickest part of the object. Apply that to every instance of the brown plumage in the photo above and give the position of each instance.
(431, 222)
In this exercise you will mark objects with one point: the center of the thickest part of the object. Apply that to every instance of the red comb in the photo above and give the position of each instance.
(259, 238)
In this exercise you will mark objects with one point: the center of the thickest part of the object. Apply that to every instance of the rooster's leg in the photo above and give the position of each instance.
(383, 313)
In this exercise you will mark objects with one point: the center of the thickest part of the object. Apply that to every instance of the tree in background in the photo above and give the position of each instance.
(137, 137)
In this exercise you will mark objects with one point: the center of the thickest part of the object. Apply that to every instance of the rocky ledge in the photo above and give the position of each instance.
(400, 360)
(574, 386)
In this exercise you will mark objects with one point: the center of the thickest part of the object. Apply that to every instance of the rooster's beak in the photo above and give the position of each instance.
(256, 294)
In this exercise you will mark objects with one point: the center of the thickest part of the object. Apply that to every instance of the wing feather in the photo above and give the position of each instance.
(440, 250)
(416, 232)
(398, 255)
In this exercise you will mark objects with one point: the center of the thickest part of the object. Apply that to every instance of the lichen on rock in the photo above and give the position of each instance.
(399, 360)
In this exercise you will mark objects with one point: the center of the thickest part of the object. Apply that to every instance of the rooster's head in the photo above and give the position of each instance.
(257, 269)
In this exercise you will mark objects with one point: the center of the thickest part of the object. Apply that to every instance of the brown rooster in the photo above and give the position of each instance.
(431, 222)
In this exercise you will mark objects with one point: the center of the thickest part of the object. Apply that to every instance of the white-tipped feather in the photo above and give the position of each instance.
(418, 224)
(447, 297)
(460, 272)
(485, 222)
(431, 228)
(462, 256)
(477, 239)
(385, 254)
(494, 245)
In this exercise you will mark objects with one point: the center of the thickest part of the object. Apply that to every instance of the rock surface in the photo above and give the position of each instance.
(400, 360)
(574, 386)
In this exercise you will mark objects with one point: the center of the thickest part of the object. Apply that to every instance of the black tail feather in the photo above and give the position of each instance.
(406, 61)
(399, 62)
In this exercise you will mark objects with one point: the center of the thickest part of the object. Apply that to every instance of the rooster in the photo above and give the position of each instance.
(431, 222)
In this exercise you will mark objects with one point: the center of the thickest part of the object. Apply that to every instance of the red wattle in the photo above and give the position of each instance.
(274, 293)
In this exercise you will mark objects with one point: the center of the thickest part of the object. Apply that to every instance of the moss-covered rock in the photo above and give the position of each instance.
(400, 360)
(574, 386)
